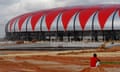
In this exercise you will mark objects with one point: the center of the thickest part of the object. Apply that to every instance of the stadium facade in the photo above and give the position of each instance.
(78, 23)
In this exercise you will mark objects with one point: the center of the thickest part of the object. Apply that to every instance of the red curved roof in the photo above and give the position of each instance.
(67, 15)
(51, 16)
(85, 15)
(21, 21)
(104, 14)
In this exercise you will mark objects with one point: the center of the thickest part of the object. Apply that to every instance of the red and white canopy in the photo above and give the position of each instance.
(79, 18)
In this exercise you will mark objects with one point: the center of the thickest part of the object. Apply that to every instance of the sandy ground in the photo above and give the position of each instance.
(57, 61)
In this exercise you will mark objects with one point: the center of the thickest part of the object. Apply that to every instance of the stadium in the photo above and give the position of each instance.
(77, 23)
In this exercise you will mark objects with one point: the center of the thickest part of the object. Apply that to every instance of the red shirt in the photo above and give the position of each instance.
(93, 61)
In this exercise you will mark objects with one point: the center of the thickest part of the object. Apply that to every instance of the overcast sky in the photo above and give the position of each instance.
(12, 8)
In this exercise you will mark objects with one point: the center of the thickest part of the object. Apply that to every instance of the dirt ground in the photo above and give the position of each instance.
(57, 61)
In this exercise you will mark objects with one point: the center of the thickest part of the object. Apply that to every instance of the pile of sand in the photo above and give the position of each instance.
(19, 42)
(97, 69)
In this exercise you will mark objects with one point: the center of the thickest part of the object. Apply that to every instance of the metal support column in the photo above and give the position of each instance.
(113, 32)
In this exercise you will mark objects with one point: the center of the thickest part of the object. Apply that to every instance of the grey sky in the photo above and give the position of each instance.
(12, 8)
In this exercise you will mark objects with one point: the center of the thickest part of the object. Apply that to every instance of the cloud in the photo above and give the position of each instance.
(8, 2)
(88, 2)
